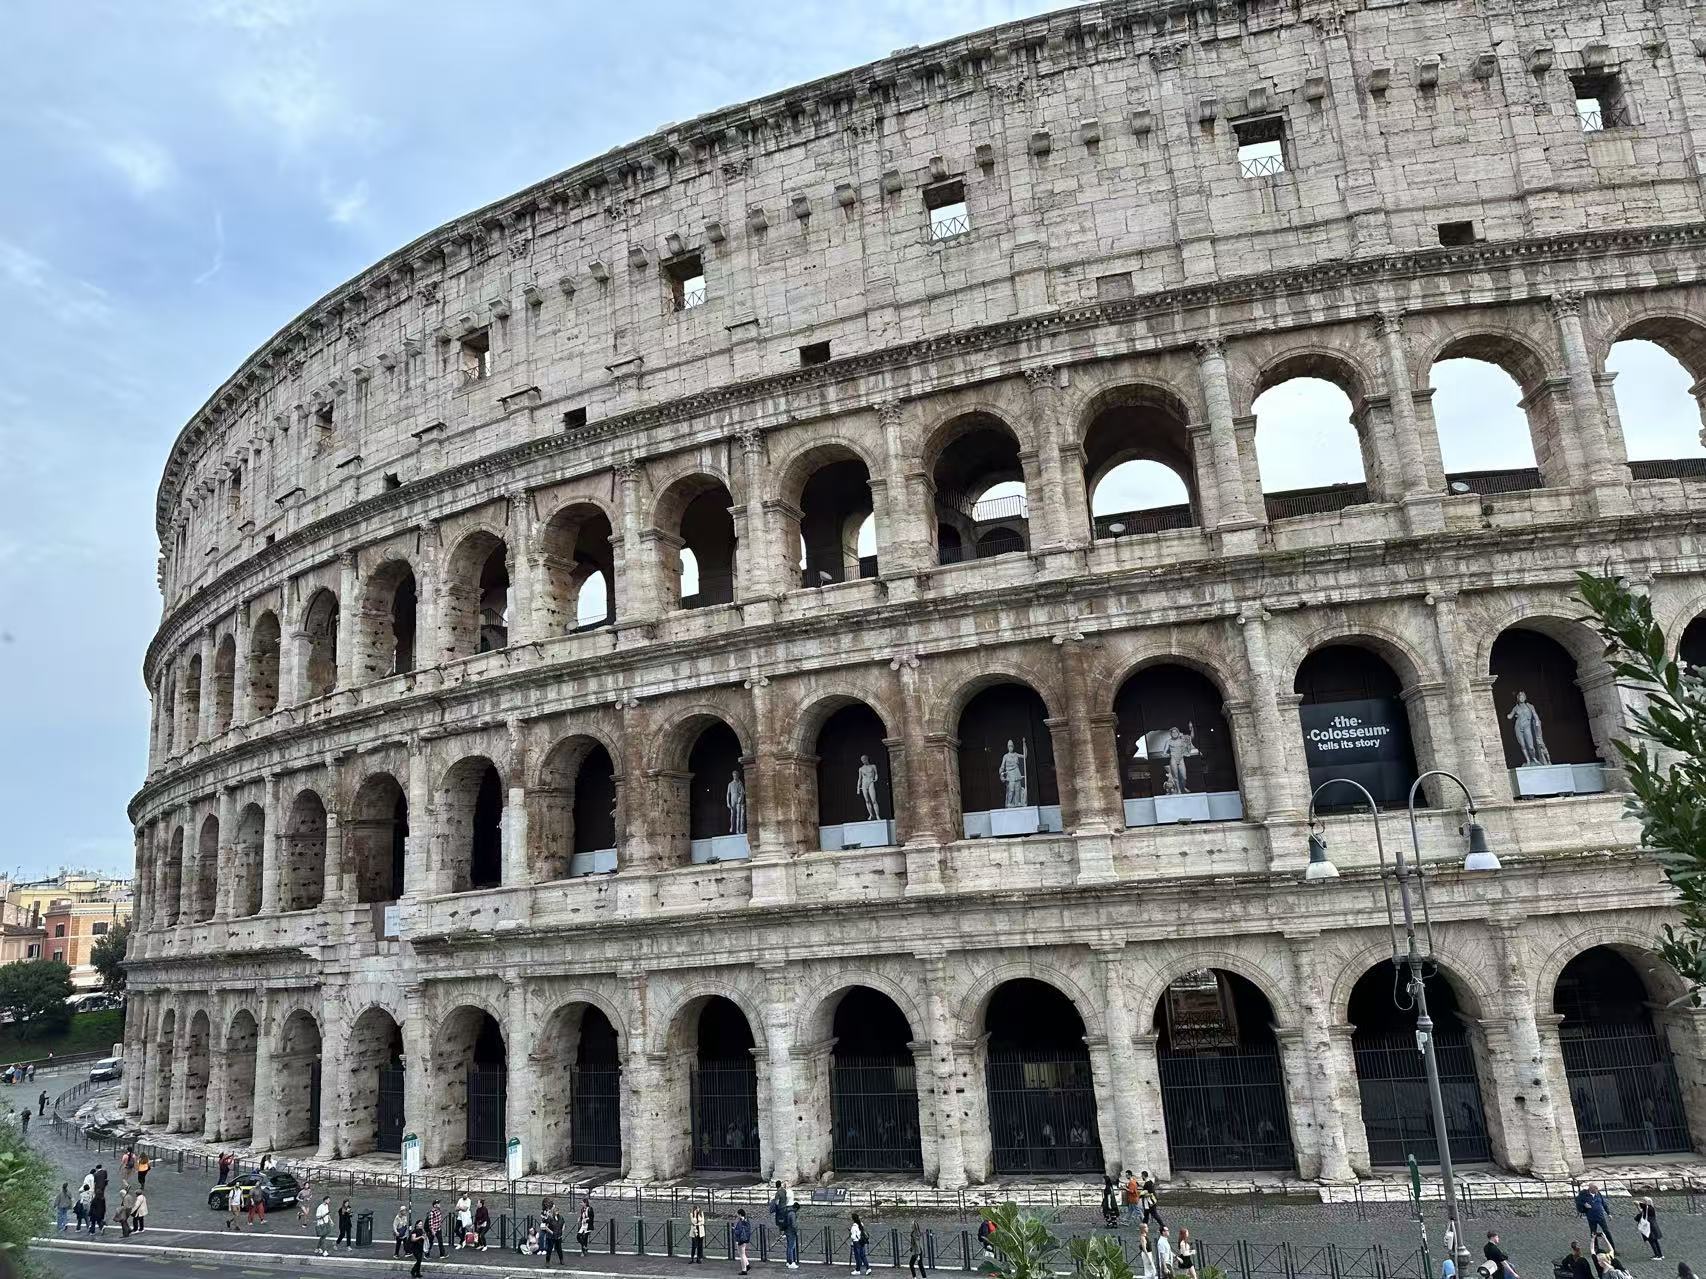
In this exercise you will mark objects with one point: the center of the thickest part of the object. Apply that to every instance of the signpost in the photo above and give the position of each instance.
(515, 1168)
(411, 1160)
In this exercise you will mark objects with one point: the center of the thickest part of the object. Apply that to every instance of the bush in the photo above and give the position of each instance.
(26, 1201)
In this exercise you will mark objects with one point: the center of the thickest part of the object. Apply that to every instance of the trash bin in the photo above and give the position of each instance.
(364, 1230)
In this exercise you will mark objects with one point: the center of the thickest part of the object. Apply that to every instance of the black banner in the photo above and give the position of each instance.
(1366, 741)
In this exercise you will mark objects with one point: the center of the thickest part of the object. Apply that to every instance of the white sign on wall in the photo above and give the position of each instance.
(512, 1159)
(411, 1154)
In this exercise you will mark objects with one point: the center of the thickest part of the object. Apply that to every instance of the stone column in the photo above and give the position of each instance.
(240, 709)
(1422, 504)
(772, 883)
(1205, 473)
(417, 844)
(1128, 1150)
(429, 598)
(1270, 783)
(943, 1088)
(514, 832)
(922, 825)
(339, 882)
(226, 871)
(904, 539)
(1539, 1093)
(780, 1145)
(204, 712)
(349, 620)
(272, 847)
(419, 1112)
(1683, 1028)
(1342, 1047)
(755, 572)
(1049, 521)
(640, 1080)
(635, 591)
(190, 867)
(525, 1083)
(1319, 1136)
(1153, 1152)
(1095, 770)
(177, 1107)
(1604, 474)
(1460, 699)
(1238, 512)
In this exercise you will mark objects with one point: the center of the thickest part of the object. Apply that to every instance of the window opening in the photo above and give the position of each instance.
(1261, 146)
(477, 357)
(946, 203)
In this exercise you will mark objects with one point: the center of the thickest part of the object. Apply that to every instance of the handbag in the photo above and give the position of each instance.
(1645, 1227)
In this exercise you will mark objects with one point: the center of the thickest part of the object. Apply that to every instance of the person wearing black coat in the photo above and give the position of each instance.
(1647, 1223)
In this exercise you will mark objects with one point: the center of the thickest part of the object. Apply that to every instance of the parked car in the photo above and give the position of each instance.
(105, 1069)
(277, 1189)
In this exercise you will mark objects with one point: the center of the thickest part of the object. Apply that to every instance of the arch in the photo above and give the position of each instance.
(470, 1079)
(189, 703)
(716, 793)
(1040, 1091)
(872, 1085)
(162, 1067)
(1654, 396)
(172, 880)
(168, 707)
(695, 517)
(204, 900)
(1347, 681)
(1128, 432)
(376, 839)
(1509, 349)
(815, 1020)
(320, 645)
(471, 802)
(374, 1118)
(224, 683)
(1678, 334)
(247, 862)
(853, 779)
(1481, 420)
(973, 1010)
(389, 609)
(981, 501)
(1543, 717)
(1691, 643)
(1176, 753)
(1223, 1093)
(828, 484)
(296, 1079)
(242, 1043)
(575, 805)
(1006, 772)
(197, 1073)
(302, 876)
(713, 1051)
(1299, 439)
(263, 664)
(477, 595)
(580, 1043)
(575, 552)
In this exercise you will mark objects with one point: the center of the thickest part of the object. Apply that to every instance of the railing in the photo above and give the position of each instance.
(1615, 116)
(1320, 501)
(1261, 166)
(948, 228)
(691, 298)
(1680, 468)
(1154, 520)
(1516, 480)
(1015, 506)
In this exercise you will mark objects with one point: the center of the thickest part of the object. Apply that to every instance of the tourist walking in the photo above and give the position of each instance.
(1591, 1204)
(857, 1239)
(786, 1214)
(400, 1230)
(583, 1226)
(62, 1205)
(464, 1216)
(1132, 1195)
(1110, 1203)
(1647, 1226)
(1163, 1254)
(1497, 1258)
(417, 1247)
(435, 1226)
(224, 1167)
(1185, 1255)
(143, 1164)
(257, 1205)
(696, 1235)
(323, 1225)
(234, 1208)
(98, 1211)
(81, 1205)
(346, 1219)
(917, 1262)
(124, 1199)
(1151, 1201)
(741, 1233)
(126, 1161)
(482, 1223)
(559, 1227)
(139, 1212)
(1147, 1251)
(41, 1103)
(24, 1121)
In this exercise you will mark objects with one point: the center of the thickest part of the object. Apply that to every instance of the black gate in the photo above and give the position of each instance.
(314, 1103)
(486, 1093)
(873, 1106)
(595, 1132)
(1623, 1089)
(1225, 1112)
(725, 1116)
(388, 1122)
(1396, 1110)
(1042, 1112)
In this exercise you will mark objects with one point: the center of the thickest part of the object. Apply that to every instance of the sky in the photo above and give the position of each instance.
(184, 176)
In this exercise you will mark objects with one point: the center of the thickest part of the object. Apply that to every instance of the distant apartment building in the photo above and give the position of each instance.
(62, 918)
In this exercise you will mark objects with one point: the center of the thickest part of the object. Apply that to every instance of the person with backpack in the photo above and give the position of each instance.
(400, 1230)
(858, 1240)
(741, 1233)
(1151, 1201)
(783, 1210)
(234, 1208)
(1497, 1259)
(62, 1205)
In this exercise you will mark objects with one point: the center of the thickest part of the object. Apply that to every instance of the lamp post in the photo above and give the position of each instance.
(1478, 858)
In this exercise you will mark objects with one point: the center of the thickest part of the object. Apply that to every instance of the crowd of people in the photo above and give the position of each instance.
(89, 1205)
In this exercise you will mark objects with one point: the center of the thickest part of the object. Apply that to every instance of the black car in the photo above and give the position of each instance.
(277, 1189)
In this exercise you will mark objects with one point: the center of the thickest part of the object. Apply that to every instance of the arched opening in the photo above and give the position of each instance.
(471, 1077)
(581, 1046)
(296, 1077)
(873, 1087)
(168, 708)
(1691, 648)
(376, 839)
(476, 597)
(189, 703)
(1396, 1111)
(224, 683)
(172, 880)
(263, 665)
(1042, 1097)
(717, 813)
(320, 636)
(577, 555)
(242, 1039)
(388, 621)
(302, 877)
(494, 601)
(1309, 450)
(1139, 471)
(1177, 763)
(1006, 766)
(206, 895)
(1485, 442)
(1356, 726)
(472, 808)
(1655, 402)
(576, 804)
(835, 504)
(1543, 718)
(246, 865)
(981, 503)
(164, 1069)
(855, 797)
(1622, 1078)
(724, 1090)
(197, 1071)
(1222, 1086)
(374, 1120)
(707, 533)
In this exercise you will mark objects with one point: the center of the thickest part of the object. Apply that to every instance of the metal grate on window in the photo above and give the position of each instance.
(949, 221)
(1261, 166)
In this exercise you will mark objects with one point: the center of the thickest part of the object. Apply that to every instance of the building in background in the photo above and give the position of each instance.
(62, 918)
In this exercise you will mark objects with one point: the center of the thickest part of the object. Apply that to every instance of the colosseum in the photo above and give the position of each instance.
(650, 668)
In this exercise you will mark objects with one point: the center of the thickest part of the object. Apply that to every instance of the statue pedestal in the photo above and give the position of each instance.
(599, 862)
(1032, 819)
(1534, 780)
(720, 848)
(1165, 810)
(877, 834)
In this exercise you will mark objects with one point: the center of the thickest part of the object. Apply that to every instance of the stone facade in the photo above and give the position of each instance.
(523, 400)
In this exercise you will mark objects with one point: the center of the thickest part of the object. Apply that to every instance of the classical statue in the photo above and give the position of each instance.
(1180, 747)
(1526, 720)
(866, 786)
(1013, 776)
(735, 798)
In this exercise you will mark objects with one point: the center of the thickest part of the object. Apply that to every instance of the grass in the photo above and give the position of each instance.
(88, 1032)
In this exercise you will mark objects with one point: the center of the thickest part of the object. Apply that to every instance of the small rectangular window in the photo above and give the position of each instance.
(392, 481)
(59, 956)
(1452, 234)
(1599, 102)
(1261, 146)
(686, 281)
(814, 353)
(477, 356)
(100, 928)
(59, 930)
(574, 419)
(323, 416)
(946, 204)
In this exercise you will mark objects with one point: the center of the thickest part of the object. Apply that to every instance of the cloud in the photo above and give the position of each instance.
(145, 165)
(218, 250)
(257, 16)
(65, 298)
(296, 104)
(344, 208)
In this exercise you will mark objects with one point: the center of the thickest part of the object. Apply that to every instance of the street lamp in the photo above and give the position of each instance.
(1478, 857)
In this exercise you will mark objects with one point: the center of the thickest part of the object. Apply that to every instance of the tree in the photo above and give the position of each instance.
(108, 957)
(26, 1201)
(1025, 1246)
(1668, 791)
(34, 991)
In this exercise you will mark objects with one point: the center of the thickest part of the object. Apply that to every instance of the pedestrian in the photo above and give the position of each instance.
(986, 1235)
(24, 1120)
(1574, 1266)
(41, 1103)
(124, 1197)
(917, 1263)
(1647, 1226)
(464, 1218)
(126, 1161)
(400, 1229)
(1591, 1204)
(559, 1228)
(266, 1162)
(1163, 1254)
(482, 1223)
(346, 1220)
(100, 1175)
(62, 1205)
(741, 1233)
(1185, 1255)
(224, 1167)
(857, 1240)
(81, 1206)
(98, 1211)
(1151, 1201)
(257, 1204)
(1498, 1258)
(234, 1208)
(323, 1225)
(1132, 1195)
(435, 1226)
(583, 1226)
(695, 1235)
(1110, 1203)
(1147, 1251)
(143, 1164)
(786, 1215)
(417, 1247)
(139, 1212)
